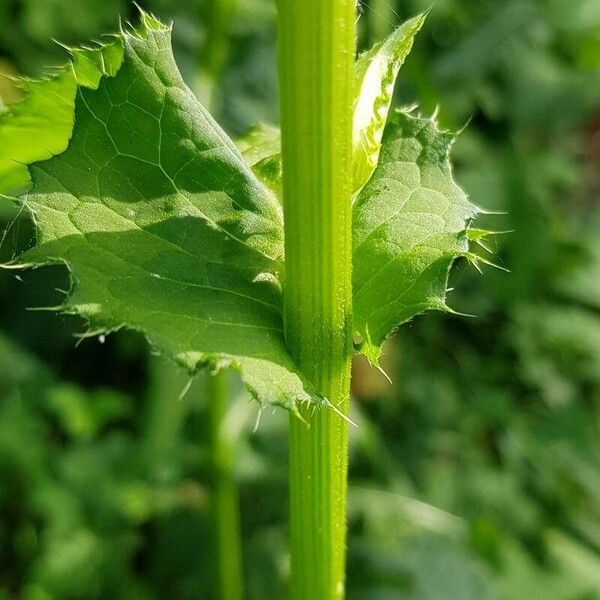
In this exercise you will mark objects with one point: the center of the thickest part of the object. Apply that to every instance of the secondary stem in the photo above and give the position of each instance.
(216, 18)
(224, 493)
(316, 58)
(227, 540)
(164, 418)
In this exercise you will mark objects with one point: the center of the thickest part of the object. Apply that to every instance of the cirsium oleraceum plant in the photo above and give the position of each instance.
(222, 255)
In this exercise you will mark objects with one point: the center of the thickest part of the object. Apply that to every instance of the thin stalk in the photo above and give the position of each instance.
(228, 580)
(216, 18)
(224, 493)
(164, 419)
(316, 58)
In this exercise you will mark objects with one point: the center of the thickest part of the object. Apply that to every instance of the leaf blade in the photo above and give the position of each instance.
(164, 227)
(410, 223)
(375, 76)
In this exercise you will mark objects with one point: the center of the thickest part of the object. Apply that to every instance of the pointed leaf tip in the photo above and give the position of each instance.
(375, 77)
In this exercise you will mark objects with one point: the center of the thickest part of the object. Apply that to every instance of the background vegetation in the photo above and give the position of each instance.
(477, 476)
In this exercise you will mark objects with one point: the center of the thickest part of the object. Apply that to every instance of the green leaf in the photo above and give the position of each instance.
(164, 227)
(39, 126)
(375, 77)
(410, 224)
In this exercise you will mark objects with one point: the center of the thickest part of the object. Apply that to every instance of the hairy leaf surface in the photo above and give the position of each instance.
(410, 223)
(163, 225)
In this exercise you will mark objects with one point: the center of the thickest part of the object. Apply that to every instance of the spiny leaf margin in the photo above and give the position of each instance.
(410, 222)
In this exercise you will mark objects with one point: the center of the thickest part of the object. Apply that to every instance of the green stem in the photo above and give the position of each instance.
(164, 418)
(224, 493)
(228, 580)
(216, 18)
(316, 59)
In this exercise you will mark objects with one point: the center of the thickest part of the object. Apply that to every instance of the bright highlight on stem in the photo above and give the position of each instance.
(316, 60)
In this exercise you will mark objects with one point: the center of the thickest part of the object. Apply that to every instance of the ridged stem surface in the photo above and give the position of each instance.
(316, 58)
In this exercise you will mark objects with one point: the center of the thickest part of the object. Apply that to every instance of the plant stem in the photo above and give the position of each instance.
(228, 580)
(216, 18)
(224, 493)
(164, 418)
(316, 59)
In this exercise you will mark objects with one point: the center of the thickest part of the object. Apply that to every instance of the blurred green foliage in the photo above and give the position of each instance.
(477, 476)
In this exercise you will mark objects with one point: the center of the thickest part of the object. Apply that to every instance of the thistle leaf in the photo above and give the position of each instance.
(164, 227)
(410, 223)
(375, 77)
(167, 230)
